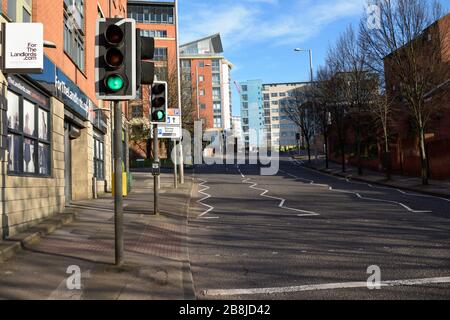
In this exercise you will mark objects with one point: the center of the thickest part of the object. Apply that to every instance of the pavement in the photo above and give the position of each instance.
(440, 188)
(304, 234)
(156, 259)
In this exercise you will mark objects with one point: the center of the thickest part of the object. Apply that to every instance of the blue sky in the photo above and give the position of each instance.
(259, 35)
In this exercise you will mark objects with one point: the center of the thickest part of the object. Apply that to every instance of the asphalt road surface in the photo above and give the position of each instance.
(302, 234)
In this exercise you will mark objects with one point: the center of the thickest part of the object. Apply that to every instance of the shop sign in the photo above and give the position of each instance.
(23, 49)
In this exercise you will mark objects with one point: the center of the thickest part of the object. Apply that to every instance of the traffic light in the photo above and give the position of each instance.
(159, 102)
(115, 66)
(145, 50)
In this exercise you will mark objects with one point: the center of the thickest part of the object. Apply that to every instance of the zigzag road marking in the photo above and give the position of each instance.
(350, 180)
(207, 196)
(311, 182)
(282, 201)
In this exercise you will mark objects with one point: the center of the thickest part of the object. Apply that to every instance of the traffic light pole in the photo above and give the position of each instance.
(155, 177)
(118, 192)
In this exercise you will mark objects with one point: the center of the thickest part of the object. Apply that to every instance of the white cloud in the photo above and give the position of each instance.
(250, 21)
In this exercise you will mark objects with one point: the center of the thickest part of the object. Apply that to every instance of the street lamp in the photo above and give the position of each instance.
(198, 95)
(312, 80)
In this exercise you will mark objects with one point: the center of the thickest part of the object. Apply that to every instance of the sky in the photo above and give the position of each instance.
(259, 36)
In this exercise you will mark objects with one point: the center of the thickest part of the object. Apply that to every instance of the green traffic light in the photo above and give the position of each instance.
(115, 82)
(159, 115)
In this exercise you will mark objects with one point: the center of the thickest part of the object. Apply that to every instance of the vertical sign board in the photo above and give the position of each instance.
(23, 48)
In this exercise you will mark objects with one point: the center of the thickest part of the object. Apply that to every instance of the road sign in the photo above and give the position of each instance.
(169, 132)
(173, 120)
(156, 169)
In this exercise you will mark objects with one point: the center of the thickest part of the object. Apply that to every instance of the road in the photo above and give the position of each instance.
(303, 234)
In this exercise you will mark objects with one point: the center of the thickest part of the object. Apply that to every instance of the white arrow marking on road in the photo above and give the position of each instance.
(282, 201)
(207, 196)
(355, 193)
(327, 286)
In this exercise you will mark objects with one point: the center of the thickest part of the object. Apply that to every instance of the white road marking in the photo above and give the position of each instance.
(282, 201)
(207, 196)
(348, 179)
(355, 193)
(326, 286)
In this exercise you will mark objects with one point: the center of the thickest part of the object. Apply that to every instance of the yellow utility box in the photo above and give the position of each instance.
(124, 184)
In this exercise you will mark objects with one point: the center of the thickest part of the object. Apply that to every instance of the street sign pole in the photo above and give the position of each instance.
(155, 177)
(175, 164)
(118, 192)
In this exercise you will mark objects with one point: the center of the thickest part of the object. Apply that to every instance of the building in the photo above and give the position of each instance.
(282, 130)
(262, 111)
(208, 73)
(156, 19)
(56, 136)
(432, 49)
(236, 127)
(254, 128)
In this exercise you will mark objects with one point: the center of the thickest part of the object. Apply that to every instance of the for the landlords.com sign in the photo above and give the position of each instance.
(23, 49)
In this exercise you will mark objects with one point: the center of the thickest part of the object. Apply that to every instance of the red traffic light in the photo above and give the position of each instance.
(158, 89)
(114, 58)
(158, 102)
(114, 35)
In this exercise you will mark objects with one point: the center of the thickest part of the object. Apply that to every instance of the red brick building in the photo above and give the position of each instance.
(406, 156)
(58, 134)
(158, 20)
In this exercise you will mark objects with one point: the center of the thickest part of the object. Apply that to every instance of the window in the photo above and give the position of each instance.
(216, 78)
(28, 137)
(12, 6)
(202, 106)
(99, 159)
(217, 94)
(160, 54)
(154, 33)
(201, 78)
(274, 95)
(266, 96)
(275, 103)
(217, 106)
(158, 14)
(202, 92)
(161, 73)
(201, 64)
(186, 64)
(275, 118)
(283, 94)
(217, 121)
(216, 65)
(137, 112)
(244, 88)
(26, 16)
(74, 42)
(245, 97)
(245, 105)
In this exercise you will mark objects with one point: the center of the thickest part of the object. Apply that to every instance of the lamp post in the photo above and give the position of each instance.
(311, 80)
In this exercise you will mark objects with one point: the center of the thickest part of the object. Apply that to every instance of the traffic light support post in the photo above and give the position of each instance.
(155, 177)
(118, 192)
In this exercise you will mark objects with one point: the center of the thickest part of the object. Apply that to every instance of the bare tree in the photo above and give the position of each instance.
(358, 84)
(300, 108)
(323, 97)
(410, 56)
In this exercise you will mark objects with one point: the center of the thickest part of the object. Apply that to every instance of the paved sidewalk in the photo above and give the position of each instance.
(437, 188)
(156, 257)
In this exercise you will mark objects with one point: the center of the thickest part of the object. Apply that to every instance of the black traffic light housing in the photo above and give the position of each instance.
(159, 102)
(145, 50)
(115, 65)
